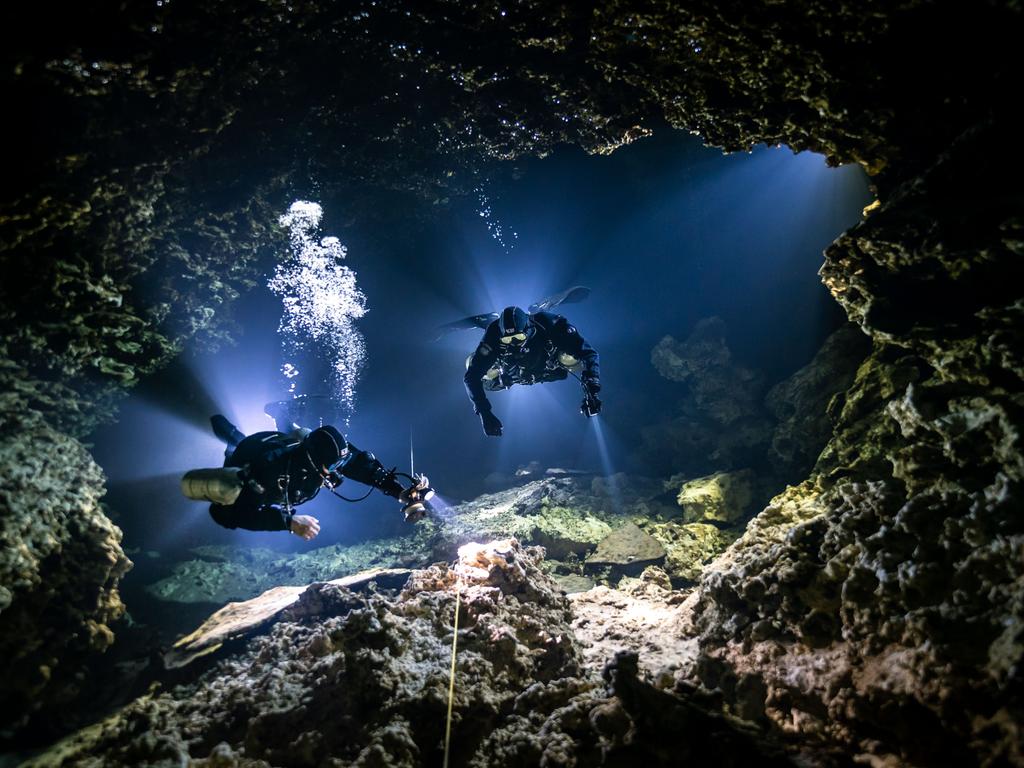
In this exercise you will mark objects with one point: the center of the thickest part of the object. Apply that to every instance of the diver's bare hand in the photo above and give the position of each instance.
(305, 526)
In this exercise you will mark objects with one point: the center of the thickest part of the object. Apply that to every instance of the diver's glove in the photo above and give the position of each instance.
(490, 422)
(415, 497)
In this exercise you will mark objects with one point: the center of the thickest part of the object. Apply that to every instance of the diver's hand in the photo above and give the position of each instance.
(591, 402)
(305, 526)
(420, 490)
(491, 424)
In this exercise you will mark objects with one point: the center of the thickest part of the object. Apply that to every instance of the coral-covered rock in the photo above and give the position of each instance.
(60, 562)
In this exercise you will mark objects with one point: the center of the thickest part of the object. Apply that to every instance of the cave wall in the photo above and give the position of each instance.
(60, 562)
(157, 144)
(883, 597)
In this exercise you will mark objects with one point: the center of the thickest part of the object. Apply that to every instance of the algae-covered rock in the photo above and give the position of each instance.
(627, 546)
(691, 547)
(723, 498)
(568, 516)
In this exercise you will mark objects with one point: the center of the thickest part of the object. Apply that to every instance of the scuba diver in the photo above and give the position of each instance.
(267, 474)
(530, 348)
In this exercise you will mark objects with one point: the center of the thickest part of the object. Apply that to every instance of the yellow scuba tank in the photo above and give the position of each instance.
(221, 485)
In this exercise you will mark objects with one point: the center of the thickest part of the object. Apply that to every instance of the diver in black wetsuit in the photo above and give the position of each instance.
(267, 474)
(520, 348)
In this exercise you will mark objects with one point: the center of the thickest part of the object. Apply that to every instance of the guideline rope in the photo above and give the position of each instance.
(451, 677)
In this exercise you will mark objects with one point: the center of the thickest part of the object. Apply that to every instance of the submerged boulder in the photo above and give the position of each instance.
(723, 498)
(627, 546)
(691, 547)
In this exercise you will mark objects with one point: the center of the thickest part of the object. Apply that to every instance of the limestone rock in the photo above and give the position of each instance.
(573, 583)
(800, 403)
(236, 620)
(691, 547)
(721, 422)
(60, 563)
(723, 498)
(643, 615)
(364, 681)
(627, 546)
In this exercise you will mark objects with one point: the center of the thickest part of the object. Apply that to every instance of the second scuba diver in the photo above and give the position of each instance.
(268, 474)
(522, 348)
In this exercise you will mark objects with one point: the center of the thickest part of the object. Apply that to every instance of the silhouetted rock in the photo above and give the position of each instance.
(800, 403)
(722, 424)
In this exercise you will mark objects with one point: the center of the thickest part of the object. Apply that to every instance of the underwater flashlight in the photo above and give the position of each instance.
(416, 498)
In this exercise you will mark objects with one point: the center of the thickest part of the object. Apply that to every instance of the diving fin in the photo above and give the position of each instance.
(473, 321)
(229, 434)
(307, 411)
(572, 295)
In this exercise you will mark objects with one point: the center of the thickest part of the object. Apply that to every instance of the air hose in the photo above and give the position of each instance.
(451, 676)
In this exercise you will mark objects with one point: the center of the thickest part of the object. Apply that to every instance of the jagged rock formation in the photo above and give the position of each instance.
(347, 679)
(726, 421)
(60, 562)
(800, 404)
(891, 581)
(721, 424)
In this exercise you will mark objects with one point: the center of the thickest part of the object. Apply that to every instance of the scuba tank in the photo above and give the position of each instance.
(221, 485)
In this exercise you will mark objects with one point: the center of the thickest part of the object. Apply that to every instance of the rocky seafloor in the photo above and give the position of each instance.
(872, 611)
(360, 677)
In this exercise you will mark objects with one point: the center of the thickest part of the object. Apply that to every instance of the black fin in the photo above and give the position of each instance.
(229, 434)
(309, 411)
(572, 295)
(473, 321)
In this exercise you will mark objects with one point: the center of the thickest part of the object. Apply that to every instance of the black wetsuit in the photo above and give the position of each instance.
(279, 464)
(532, 362)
